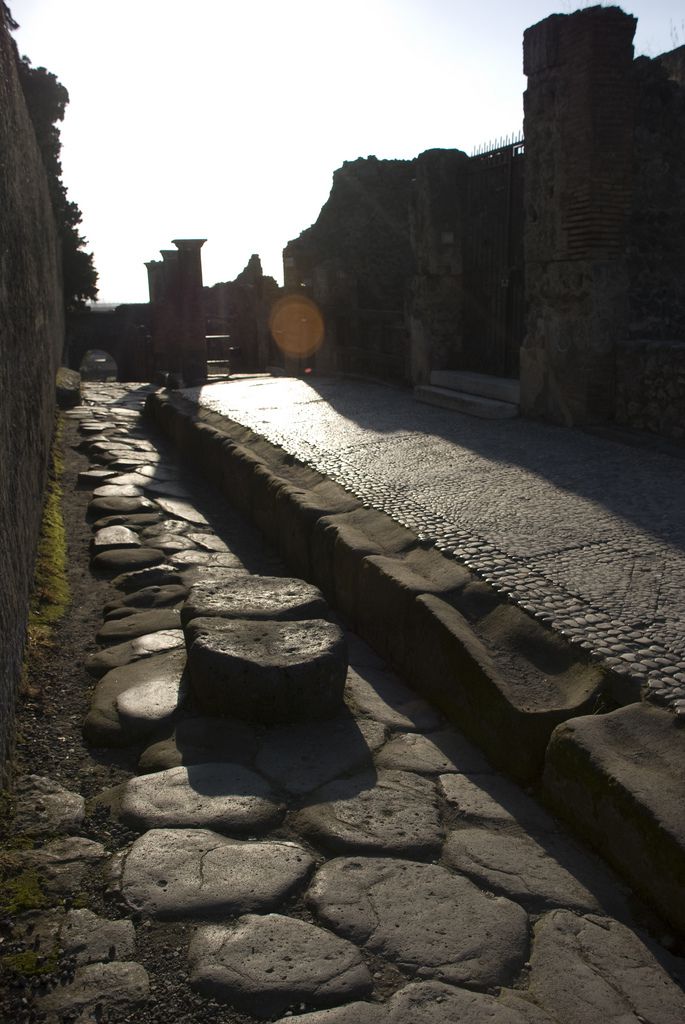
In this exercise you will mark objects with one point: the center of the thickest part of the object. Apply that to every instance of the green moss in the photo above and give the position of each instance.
(21, 892)
(31, 963)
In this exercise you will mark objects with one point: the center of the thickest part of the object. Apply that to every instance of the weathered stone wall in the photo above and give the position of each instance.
(578, 127)
(241, 309)
(436, 300)
(30, 347)
(650, 387)
(356, 262)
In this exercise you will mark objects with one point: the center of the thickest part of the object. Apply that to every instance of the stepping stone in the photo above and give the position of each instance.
(300, 758)
(225, 797)
(439, 753)
(182, 510)
(211, 559)
(170, 543)
(138, 623)
(267, 671)
(392, 813)
(133, 650)
(126, 463)
(114, 537)
(381, 696)
(175, 873)
(538, 875)
(166, 528)
(496, 801)
(99, 507)
(149, 597)
(134, 520)
(255, 597)
(127, 559)
(98, 992)
(63, 863)
(209, 542)
(87, 938)
(132, 702)
(43, 806)
(423, 917)
(94, 477)
(589, 969)
(431, 1002)
(202, 740)
(128, 479)
(110, 490)
(154, 576)
(263, 965)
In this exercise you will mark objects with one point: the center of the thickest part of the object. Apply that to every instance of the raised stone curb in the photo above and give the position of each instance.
(620, 780)
(263, 965)
(254, 597)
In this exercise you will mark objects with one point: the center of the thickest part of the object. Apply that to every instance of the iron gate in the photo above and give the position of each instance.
(494, 322)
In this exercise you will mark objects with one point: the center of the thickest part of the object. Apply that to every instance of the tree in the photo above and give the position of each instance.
(46, 99)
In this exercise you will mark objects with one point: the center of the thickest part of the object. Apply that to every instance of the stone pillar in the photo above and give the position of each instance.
(191, 320)
(578, 137)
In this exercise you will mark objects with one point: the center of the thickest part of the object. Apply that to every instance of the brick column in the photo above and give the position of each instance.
(578, 136)
(191, 320)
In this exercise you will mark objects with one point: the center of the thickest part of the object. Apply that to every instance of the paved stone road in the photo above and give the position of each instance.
(587, 533)
(369, 868)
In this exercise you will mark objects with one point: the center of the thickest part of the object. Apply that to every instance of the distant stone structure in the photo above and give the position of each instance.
(178, 327)
(356, 262)
(237, 318)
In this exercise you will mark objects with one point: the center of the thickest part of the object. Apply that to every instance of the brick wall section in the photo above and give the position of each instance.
(30, 345)
(578, 131)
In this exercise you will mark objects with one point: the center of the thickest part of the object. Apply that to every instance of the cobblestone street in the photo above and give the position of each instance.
(586, 533)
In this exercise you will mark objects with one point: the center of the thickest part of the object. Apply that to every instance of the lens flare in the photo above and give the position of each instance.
(296, 325)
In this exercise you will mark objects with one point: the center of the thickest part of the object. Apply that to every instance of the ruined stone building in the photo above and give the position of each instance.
(549, 271)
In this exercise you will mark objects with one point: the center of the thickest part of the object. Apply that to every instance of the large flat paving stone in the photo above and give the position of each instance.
(225, 797)
(495, 800)
(436, 924)
(87, 938)
(539, 874)
(133, 650)
(389, 813)
(120, 560)
(435, 754)
(111, 490)
(199, 740)
(43, 806)
(175, 873)
(133, 701)
(267, 671)
(154, 576)
(378, 694)
(301, 758)
(590, 969)
(117, 505)
(98, 991)
(179, 509)
(167, 528)
(255, 597)
(431, 1002)
(62, 864)
(150, 597)
(208, 559)
(138, 623)
(263, 965)
(619, 779)
(114, 537)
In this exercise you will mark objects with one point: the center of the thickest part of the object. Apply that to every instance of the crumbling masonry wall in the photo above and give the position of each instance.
(31, 341)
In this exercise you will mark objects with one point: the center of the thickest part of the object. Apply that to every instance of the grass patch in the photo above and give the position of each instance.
(21, 892)
(50, 592)
(29, 963)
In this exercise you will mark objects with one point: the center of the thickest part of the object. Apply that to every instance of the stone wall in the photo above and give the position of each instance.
(30, 347)
(650, 387)
(240, 309)
(579, 137)
(356, 262)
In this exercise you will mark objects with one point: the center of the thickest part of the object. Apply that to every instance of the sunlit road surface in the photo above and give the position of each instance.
(587, 533)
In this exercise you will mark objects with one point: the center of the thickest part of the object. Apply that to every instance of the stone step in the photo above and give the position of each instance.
(461, 401)
(504, 389)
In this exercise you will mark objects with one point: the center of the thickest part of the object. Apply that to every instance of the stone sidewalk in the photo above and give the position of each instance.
(585, 533)
(369, 867)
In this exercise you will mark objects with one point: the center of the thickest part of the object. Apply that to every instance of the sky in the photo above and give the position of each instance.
(225, 119)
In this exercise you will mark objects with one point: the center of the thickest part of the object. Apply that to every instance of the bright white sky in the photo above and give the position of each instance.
(225, 119)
